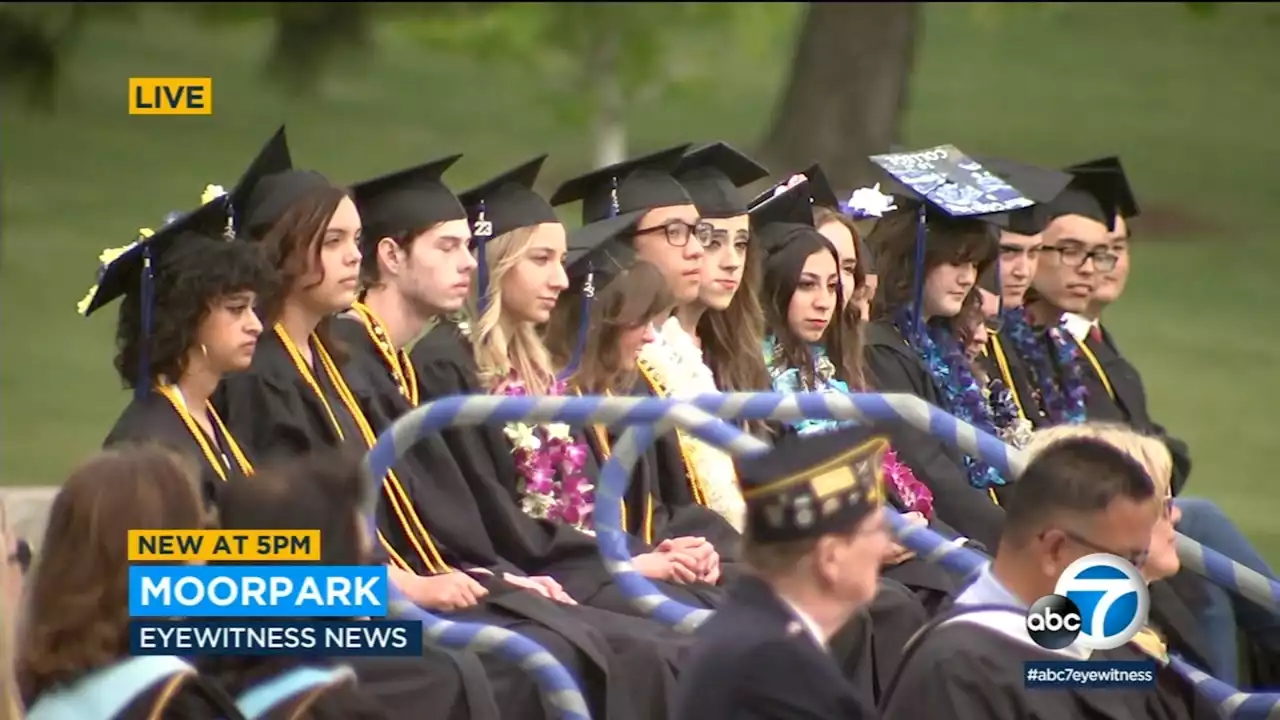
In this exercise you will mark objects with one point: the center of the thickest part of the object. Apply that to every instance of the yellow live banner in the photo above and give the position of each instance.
(170, 96)
(224, 545)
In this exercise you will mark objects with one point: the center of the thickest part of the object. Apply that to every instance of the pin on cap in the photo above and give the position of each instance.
(500, 205)
(813, 485)
(820, 190)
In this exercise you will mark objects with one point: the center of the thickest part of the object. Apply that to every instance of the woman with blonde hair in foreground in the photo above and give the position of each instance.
(1172, 623)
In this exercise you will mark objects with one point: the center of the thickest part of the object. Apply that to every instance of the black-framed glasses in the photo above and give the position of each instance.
(1136, 558)
(1077, 256)
(678, 232)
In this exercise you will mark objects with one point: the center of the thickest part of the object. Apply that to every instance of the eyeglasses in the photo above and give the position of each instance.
(1075, 255)
(1136, 558)
(678, 232)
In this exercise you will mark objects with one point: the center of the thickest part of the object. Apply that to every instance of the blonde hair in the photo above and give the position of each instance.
(497, 353)
(1148, 451)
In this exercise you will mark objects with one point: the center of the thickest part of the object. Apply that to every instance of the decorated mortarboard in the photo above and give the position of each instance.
(712, 174)
(948, 190)
(500, 205)
(1039, 184)
(268, 187)
(626, 189)
(128, 271)
(406, 200)
(813, 485)
(784, 216)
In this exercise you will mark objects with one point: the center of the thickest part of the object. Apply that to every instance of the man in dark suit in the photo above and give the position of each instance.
(815, 532)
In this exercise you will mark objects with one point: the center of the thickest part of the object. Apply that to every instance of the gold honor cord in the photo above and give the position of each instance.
(397, 360)
(170, 393)
(690, 469)
(1097, 366)
(395, 494)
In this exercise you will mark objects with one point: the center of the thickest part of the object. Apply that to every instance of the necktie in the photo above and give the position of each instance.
(1095, 333)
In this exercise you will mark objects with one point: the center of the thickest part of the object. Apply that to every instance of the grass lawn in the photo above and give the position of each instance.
(1187, 102)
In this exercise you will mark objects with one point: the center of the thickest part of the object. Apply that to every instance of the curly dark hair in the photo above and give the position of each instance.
(189, 279)
(843, 336)
(946, 242)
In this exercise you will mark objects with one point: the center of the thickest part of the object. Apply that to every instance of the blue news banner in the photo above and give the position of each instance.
(265, 610)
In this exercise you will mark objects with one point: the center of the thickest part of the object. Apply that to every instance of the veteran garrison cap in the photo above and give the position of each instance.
(814, 485)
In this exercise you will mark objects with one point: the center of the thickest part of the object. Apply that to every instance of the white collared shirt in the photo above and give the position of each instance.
(1078, 325)
(810, 625)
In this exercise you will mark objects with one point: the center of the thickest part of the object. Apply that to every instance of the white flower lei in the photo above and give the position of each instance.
(679, 364)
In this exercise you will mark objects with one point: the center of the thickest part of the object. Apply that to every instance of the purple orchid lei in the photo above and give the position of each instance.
(960, 392)
(551, 464)
(1063, 403)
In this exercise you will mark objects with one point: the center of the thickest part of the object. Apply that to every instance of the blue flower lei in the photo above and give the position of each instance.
(1064, 403)
(789, 380)
(961, 393)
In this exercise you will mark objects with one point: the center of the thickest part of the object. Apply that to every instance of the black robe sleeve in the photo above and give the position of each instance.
(895, 369)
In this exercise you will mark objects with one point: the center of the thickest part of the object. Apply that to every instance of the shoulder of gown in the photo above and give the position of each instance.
(263, 407)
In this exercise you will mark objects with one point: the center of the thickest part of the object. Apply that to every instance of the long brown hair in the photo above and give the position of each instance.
(292, 245)
(731, 339)
(823, 215)
(637, 295)
(895, 238)
(843, 338)
(78, 617)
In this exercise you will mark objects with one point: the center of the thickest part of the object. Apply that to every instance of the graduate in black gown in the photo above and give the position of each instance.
(416, 266)
(543, 528)
(296, 399)
(815, 533)
(1077, 497)
(181, 328)
(812, 346)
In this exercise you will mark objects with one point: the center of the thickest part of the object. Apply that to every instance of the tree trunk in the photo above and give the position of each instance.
(608, 123)
(847, 92)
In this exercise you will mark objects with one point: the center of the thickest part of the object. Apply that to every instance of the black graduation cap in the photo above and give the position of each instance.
(813, 485)
(820, 190)
(1108, 173)
(409, 199)
(778, 220)
(627, 189)
(508, 202)
(270, 185)
(592, 269)
(866, 256)
(712, 175)
(1039, 184)
(123, 274)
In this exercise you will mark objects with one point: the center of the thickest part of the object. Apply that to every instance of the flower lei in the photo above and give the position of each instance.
(961, 393)
(551, 464)
(1064, 403)
(1011, 427)
(915, 495)
(679, 364)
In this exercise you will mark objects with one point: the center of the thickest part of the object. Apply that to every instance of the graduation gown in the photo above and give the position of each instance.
(755, 660)
(1116, 392)
(274, 411)
(973, 666)
(626, 663)
(153, 418)
(661, 491)
(896, 368)
(187, 695)
(445, 366)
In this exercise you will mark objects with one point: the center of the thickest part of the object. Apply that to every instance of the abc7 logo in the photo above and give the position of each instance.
(1099, 603)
